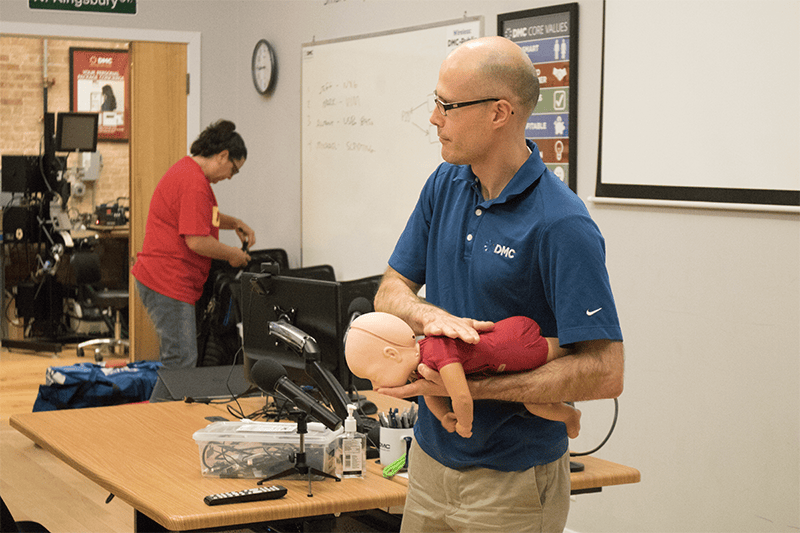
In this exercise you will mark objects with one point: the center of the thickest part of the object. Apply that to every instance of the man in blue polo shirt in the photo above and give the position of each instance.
(495, 234)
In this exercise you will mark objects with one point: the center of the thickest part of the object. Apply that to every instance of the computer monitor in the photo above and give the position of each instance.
(77, 132)
(319, 308)
(27, 173)
(308, 304)
(20, 174)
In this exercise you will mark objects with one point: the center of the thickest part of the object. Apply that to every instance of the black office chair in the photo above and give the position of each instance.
(9, 525)
(86, 266)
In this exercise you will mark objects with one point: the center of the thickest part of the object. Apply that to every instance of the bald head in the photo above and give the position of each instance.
(500, 68)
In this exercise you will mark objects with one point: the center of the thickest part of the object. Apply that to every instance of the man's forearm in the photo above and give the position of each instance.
(594, 372)
(397, 296)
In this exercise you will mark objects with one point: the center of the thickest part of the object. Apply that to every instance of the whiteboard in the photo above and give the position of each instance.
(700, 101)
(367, 144)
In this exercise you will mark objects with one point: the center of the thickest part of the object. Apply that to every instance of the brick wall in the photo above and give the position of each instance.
(22, 110)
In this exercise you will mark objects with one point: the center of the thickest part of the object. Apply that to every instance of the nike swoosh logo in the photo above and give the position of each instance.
(590, 313)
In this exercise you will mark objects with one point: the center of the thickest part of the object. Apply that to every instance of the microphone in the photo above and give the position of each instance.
(359, 306)
(270, 376)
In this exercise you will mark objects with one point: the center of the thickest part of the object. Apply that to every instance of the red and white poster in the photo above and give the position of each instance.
(100, 85)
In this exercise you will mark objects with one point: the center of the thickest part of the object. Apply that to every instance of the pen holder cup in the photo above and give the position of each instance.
(393, 443)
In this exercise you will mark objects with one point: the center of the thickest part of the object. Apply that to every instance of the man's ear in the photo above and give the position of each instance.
(503, 112)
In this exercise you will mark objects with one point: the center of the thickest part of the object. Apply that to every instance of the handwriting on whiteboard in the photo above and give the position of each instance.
(339, 110)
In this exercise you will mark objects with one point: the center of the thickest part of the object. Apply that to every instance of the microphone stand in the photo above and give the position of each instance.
(306, 347)
(300, 465)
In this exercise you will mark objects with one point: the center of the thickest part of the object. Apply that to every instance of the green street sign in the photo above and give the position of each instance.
(124, 7)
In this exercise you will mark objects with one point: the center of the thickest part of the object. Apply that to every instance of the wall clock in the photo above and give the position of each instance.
(262, 66)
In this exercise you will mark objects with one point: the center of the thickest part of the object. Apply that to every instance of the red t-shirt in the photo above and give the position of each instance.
(515, 344)
(182, 204)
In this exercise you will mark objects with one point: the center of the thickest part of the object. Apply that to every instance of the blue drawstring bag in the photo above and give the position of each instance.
(92, 385)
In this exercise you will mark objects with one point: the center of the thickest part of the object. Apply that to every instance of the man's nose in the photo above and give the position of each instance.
(436, 117)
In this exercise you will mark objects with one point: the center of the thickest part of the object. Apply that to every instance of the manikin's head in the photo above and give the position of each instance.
(382, 348)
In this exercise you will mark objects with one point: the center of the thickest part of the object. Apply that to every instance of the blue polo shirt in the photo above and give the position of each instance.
(533, 251)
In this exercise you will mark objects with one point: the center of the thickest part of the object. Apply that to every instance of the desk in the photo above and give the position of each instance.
(145, 455)
(120, 232)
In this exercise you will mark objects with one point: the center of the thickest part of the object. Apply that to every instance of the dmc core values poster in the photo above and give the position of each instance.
(549, 36)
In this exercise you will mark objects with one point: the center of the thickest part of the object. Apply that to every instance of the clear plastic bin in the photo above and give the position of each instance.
(248, 449)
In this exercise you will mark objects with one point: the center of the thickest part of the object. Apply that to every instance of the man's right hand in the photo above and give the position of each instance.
(440, 323)
(398, 295)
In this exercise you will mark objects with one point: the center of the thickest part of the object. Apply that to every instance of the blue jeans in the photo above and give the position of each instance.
(177, 331)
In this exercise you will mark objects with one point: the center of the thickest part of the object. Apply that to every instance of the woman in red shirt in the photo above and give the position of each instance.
(182, 238)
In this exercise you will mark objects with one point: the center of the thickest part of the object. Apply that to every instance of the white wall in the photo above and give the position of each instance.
(709, 300)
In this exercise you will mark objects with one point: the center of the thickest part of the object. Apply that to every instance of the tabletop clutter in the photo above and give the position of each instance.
(252, 449)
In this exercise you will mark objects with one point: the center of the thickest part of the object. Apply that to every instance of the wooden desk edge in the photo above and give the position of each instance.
(602, 473)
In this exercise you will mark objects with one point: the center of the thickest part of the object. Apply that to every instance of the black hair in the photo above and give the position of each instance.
(109, 100)
(220, 136)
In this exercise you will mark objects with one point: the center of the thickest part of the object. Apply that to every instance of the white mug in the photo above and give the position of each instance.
(393, 443)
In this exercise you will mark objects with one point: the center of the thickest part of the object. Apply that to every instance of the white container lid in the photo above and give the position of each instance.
(267, 432)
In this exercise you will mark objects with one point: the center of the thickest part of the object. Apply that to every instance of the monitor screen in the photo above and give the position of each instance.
(77, 132)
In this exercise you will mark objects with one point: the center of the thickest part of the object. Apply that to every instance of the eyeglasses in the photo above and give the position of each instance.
(233, 164)
(444, 108)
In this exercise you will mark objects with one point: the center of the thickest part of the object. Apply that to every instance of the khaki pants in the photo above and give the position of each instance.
(480, 500)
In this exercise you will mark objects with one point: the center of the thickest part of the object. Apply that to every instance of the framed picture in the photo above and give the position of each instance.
(549, 36)
(99, 83)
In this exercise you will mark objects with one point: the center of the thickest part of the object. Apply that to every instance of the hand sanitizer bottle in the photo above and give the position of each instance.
(352, 450)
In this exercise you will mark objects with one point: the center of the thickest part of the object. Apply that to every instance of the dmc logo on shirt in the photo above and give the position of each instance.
(215, 216)
(499, 249)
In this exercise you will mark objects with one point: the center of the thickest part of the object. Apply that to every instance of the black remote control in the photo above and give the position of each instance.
(250, 495)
